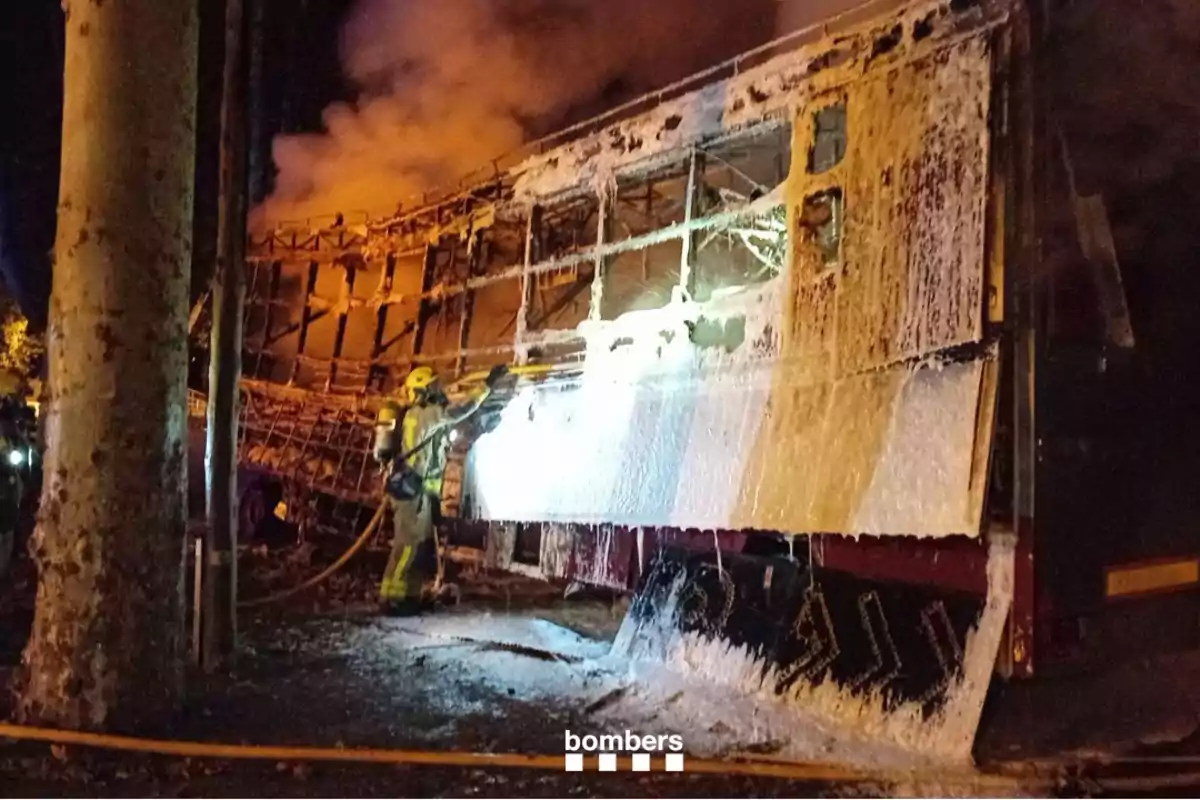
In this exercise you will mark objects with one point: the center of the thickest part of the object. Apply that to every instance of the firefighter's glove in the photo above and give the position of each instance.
(497, 374)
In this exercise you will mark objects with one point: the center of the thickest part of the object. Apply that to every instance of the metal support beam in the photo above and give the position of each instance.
(565, 299)
(533, 237)
(687, 258)
(427, 275)
(476, 255)
(251, 288)
(408, 328)
(389, 274)
(600, 262)
(283, 333)
(340, 339)
(219, 616)
(306, 318)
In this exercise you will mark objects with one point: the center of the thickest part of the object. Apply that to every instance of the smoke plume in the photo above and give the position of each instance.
(447, 86)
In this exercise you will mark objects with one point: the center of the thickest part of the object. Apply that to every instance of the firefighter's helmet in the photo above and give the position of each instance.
(418, 381)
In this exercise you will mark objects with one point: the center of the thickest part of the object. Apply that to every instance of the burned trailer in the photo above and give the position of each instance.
(783, 427)
(806, 316)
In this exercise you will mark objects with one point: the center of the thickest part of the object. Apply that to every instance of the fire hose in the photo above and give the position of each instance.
(377, 519)
(809, 771)
(324, 574)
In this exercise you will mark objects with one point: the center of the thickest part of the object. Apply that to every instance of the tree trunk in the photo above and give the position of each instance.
(225, 356)
(107, 642)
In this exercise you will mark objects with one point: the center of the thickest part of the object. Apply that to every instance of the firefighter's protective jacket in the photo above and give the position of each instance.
(432, 421)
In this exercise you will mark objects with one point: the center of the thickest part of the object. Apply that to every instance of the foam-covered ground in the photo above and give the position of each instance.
(534, 662)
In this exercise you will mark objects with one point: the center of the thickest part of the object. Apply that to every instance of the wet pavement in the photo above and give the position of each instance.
(356, 680)
(509, 671)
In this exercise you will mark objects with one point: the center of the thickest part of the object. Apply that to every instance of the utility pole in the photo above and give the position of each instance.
(260, 152)
(219, 617)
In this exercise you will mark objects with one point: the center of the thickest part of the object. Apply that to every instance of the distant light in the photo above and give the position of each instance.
(16, 458)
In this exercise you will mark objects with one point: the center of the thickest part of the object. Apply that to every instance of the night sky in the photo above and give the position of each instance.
(31, 57)
(31, 52)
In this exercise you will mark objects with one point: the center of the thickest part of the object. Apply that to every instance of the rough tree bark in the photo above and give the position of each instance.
(107, 642)
(225, 356)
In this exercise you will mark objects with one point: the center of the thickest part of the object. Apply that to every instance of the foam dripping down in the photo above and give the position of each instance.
(876, 663)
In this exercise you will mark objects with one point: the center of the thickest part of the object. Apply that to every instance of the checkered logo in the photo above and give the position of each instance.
(628, 752)
(634, 762)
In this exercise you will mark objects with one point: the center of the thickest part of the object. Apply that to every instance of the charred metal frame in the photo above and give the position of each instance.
(435, 229)
(348, 253)
(344, 244)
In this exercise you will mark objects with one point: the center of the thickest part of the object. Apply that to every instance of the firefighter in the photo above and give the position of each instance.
(415, 483)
